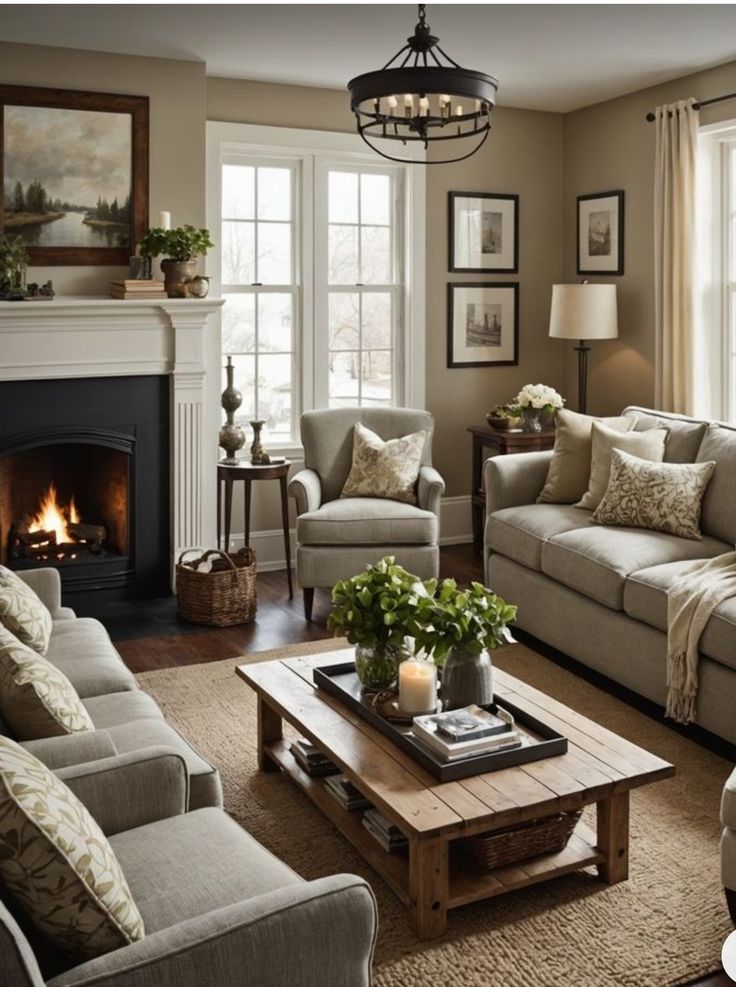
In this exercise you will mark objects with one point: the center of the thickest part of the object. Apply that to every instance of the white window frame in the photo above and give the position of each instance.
(315, 151)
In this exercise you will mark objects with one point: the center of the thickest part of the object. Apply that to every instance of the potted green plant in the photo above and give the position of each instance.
(376, 610)
(180, 248)
(458, 628)
(13, 263)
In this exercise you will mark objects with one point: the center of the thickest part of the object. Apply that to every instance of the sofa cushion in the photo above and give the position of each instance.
(519, 532)
(385, 469)
(684, 435)
(195, 863)
(36, 699)
(645, 445)
(56, 862)
(121, 707)
(645, 599)
(728, 802)
(82, 649)
(595, 561)
(719, 504)
(367, 521)
(23, 613)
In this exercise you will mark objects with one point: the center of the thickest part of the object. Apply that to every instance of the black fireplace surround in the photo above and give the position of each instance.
(105, 442)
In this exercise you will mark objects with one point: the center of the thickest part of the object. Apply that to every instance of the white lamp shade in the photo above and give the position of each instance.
(583, 311)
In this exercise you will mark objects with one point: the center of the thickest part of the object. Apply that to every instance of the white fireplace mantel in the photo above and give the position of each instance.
(104, 337)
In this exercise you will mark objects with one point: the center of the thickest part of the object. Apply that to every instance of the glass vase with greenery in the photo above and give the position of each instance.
(376, 610)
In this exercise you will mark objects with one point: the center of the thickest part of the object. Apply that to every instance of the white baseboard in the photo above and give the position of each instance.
(455, 529)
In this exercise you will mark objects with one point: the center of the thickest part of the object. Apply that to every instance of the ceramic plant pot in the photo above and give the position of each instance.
(467, 679)
(177, 274)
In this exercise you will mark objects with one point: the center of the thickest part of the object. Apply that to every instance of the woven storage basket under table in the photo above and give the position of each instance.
(532, 839)
(224, 595)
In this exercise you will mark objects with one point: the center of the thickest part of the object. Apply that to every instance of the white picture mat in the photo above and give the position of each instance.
(468, 233)
(462, 297)
(598, 262)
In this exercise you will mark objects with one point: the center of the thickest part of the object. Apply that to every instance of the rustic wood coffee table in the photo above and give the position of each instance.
(599, 767)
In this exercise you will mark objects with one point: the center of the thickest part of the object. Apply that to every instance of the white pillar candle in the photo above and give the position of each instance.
(417, 686)
(164, 220)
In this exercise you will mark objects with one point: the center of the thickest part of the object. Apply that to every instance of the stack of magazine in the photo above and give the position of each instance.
(345, 792)
(468, 732)
(312, 760)
(382, 829)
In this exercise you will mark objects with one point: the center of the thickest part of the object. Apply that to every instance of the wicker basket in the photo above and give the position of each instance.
(532, 839)
(223, 596)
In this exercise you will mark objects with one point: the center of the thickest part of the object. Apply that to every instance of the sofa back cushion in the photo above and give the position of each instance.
(327, 437)
(684, 434)
(646, 445)
(719, 504)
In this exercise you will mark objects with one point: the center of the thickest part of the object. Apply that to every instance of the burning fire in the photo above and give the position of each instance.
(53, 517)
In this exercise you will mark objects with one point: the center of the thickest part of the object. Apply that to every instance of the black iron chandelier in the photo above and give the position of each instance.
(426, 97)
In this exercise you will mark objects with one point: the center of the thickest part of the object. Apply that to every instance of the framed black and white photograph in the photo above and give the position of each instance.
(483, 233)
(601, 233)
(482, 325)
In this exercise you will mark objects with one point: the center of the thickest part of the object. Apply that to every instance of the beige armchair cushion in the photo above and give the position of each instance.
(367, 521)
(23, 613)
(728, 802)
(56, 862)
(385, 469)
(646, 445)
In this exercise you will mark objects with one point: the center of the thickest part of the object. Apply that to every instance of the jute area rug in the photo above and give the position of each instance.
(664, 926)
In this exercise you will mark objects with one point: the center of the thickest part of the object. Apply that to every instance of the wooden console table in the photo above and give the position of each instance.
(501, 442)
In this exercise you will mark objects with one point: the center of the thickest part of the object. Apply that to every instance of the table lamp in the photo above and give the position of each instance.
(583, 312)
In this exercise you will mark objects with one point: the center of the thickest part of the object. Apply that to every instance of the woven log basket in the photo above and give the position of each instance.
(533, 839)
(224, 595)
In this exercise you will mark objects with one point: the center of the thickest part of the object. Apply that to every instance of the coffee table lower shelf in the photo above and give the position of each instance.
(467, 881)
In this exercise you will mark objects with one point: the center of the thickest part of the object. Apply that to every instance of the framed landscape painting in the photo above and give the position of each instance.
(483, 325)
(74, 173)
(483, 233)
(601, 233)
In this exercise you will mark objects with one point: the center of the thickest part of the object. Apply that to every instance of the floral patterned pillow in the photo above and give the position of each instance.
(385, 469)
(36, 699)
(57, 863)
(23, 613)
(659, 496)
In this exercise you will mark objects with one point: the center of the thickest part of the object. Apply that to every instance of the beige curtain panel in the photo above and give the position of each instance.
(674, 255)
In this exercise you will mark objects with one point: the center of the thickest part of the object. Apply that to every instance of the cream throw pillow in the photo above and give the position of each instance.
(569, 471)
(646, 445)
(36, 699)
(385, 469)
(57, 863)
(23, 613)
(659, 496)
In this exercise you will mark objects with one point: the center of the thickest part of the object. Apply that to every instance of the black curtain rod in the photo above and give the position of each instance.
(651, 117)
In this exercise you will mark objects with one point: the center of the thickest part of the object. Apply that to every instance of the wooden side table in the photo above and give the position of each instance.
(501, 442)
(227, 475)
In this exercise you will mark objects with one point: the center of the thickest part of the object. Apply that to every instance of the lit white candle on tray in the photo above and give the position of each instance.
(417, 686)
(164, 220)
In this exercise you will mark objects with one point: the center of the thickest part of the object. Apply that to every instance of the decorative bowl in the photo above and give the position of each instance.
(503, 424)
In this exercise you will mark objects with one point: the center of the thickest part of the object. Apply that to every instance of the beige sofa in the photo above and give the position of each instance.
(599, 594)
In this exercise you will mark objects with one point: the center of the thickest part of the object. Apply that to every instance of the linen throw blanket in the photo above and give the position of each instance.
(691, 599)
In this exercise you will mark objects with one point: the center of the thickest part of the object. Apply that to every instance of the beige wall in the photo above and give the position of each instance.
(611, 146)
(177, 108)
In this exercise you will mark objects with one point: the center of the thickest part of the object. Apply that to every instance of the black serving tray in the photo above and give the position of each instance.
(342, 682)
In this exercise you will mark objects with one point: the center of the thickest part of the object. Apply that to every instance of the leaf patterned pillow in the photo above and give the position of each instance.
(659, 496)
(57, 863)
(23, 613)
(36, 699)
(385, 469)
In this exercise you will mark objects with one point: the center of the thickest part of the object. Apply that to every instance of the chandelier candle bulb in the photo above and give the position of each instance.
(392, 104)
(423, 106)
(417, 686)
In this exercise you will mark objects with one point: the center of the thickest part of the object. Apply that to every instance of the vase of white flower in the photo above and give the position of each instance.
(535, 402)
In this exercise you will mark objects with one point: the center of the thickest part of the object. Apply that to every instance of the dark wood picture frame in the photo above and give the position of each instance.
(452, 198)
(72, 99)
(617, 266)
(452, 286)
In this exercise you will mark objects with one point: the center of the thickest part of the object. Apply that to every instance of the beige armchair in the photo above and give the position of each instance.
(728, 843)
(338, 538)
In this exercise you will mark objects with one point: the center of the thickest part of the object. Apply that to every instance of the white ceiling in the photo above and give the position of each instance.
(548, 57)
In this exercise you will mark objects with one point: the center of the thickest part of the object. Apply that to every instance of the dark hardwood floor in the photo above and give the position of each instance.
(151, 636)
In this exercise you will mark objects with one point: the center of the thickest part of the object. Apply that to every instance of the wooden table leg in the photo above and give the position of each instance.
(228, 510)
(428, 887)
(219, 512)
(285, 522)
(247, 494)
(476, 480)
(269, 729)
(613, 837)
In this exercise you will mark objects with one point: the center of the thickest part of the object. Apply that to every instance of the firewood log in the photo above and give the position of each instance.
(90, 533)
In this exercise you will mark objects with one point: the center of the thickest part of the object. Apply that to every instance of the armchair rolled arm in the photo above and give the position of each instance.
(131, 790)
(430, 489)
(306, 489)
(46, 584)
(73, 748)
(305, 935)
(511, 481)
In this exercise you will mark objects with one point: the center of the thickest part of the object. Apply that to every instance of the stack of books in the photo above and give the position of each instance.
(132, 288)
(383, 830)
(467, 732)
(312, 760)
(341, 789)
